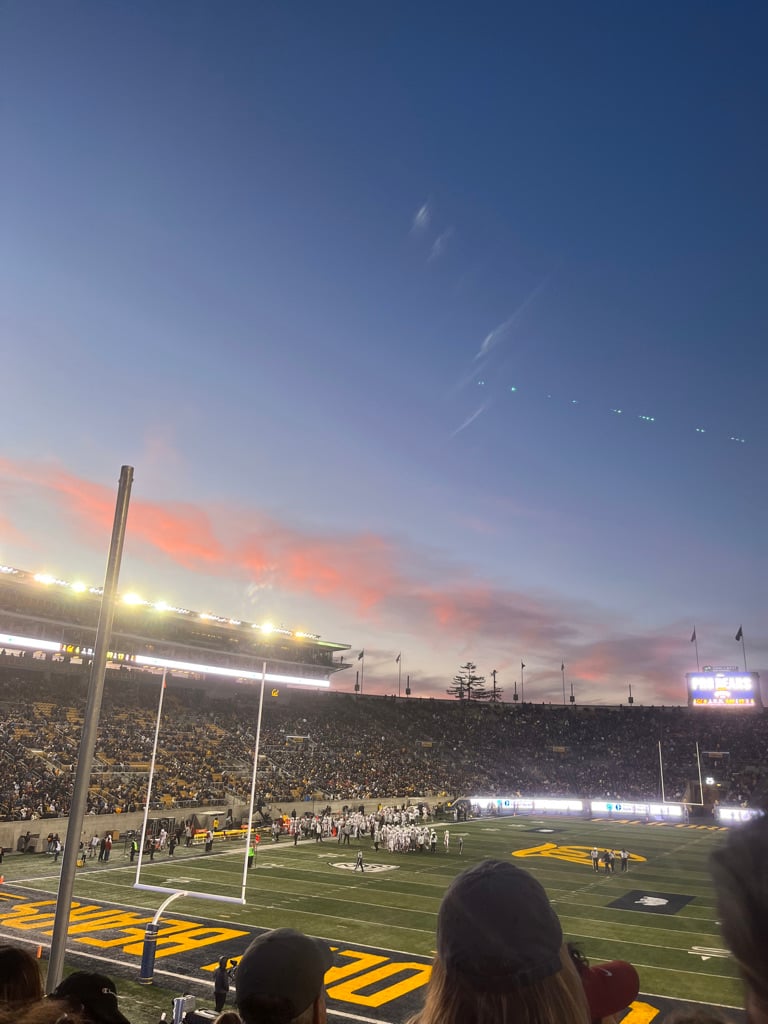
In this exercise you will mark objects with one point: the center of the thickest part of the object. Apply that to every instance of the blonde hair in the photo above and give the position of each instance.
(558, 999)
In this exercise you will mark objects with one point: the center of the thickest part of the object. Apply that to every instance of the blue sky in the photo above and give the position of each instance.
(289, 261)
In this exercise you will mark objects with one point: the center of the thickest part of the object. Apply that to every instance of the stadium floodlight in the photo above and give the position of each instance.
(133, 599)
(29, 641)
(230, 673)
(79, 588)
(266, 627)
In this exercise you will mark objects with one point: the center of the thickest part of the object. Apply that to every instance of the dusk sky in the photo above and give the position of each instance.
(433, 328)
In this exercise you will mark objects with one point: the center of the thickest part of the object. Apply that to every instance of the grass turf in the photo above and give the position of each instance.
(396, 909)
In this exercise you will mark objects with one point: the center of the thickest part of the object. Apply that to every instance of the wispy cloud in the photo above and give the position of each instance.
(471, 418)
(497, 334)
(440, 244)
(422, 218)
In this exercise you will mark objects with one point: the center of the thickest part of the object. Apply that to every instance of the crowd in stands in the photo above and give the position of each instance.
(339, 747)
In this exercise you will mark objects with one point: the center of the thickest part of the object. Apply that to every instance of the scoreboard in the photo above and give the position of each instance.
(724, 688)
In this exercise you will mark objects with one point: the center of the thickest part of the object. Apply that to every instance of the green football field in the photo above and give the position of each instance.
(660, 915)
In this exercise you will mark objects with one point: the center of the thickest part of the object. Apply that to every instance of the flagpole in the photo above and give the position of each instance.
(399, 673)
(522, 682)
(362, 670)
(740, 636)
(696, 645)
(562, 669)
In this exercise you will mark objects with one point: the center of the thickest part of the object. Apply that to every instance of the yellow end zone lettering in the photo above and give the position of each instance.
(28, 915)
(640, 1013)
(360, 962)
(349, 991)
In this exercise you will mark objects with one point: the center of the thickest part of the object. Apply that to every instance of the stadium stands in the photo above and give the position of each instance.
(339, 747)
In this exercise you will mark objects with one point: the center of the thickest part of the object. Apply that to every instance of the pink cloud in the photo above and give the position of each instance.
(388, 583)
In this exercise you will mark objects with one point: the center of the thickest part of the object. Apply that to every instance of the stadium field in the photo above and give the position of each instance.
(660, 914)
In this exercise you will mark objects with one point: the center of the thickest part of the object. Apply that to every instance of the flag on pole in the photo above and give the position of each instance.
(361, 655)
(562, 666)
(397, 660)
(693, 636)
(740, 634)
(522, 665)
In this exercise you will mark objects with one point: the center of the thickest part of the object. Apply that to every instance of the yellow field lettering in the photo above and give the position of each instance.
(94, 919)
(350, 991)
(29, 915)
(640, 1013)
(360, 962)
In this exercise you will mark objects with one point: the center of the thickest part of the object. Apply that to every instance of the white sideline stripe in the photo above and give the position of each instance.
(696, 974)
(722, 1006)
(634, 942)
(354, 1016)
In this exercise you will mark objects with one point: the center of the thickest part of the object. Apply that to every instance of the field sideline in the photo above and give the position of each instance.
(660, 915)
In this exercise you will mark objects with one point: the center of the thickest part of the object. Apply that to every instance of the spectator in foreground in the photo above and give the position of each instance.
(609, 988)
(92, 995)
(740, 873)
(280, 979)
(43, 1011)
(20, 981)
(501, 955)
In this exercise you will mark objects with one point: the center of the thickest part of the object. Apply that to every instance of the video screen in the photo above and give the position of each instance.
(724, 689)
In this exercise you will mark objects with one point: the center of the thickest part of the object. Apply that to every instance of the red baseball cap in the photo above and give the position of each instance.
(610, 987)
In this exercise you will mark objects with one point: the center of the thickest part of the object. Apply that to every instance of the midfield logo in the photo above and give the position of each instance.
(573, 854)
(349, 865)
(651, 902)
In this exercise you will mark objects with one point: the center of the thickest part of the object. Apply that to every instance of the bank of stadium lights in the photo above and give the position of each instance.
(35, 644)
(31, 642)
(230, 673)
(135, 600)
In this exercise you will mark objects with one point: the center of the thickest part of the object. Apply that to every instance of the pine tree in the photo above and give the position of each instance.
(467, 685)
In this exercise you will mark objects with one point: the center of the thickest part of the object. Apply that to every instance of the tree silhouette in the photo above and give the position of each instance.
(467, 685)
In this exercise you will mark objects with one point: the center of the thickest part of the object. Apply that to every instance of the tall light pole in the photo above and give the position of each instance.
(89, 734)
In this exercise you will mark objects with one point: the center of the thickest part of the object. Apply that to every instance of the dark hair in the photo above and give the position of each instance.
(740, 873)
(20, 981)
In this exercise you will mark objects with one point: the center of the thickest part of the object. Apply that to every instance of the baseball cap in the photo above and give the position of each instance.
(496, 928)
(96, 993)
(286, 969)
(610, 987)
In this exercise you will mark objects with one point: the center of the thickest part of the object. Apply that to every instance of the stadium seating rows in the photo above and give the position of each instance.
(338, 747)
